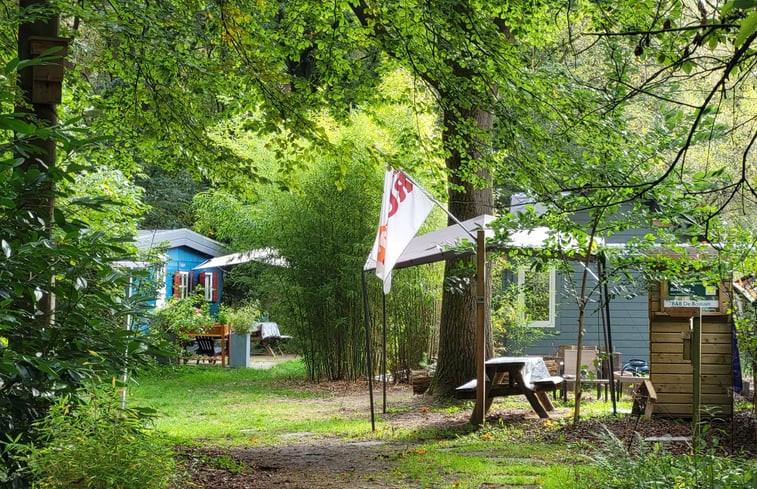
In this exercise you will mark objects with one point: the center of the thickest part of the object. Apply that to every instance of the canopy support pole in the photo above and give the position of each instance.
(369, 358)
(479, 415)
(605, 302)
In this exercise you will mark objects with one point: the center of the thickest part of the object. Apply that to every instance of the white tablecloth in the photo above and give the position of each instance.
(268, 330)
(533, 369)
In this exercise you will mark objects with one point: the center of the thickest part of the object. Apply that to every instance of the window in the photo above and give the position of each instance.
(184, 285)
(537, 296)
(181, 284)
(209, 287)
(209, 283)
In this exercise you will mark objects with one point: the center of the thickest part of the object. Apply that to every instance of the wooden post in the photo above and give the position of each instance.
(479, 415)
(42, 111)
(696, 361)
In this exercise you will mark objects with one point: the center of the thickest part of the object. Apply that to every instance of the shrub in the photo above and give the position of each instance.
(243, 319)
(179, 317)
(651, 466)
(95, 443)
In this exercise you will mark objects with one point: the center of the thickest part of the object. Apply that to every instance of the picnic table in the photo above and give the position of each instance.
(267, 334)
(513, 376)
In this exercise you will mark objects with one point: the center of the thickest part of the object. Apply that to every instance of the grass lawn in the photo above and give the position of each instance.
(238, 406)
(248, 409)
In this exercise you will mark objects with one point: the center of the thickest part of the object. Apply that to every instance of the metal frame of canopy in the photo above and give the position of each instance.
(449, 243)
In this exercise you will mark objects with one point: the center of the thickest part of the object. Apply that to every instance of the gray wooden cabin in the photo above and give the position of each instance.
(629, 313)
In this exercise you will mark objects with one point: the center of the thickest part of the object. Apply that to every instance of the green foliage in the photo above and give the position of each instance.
(243, 318)
(91, 441)
(511, 315)
(412, 322)
(180, 316)
(105, 199)
(650, 466)
(168, 193)
(324, 227)
(334, 221)
(44, 355)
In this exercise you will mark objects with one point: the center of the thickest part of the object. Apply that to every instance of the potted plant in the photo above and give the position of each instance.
(242, 320)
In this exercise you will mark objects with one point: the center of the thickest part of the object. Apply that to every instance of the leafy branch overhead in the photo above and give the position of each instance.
(693, 62)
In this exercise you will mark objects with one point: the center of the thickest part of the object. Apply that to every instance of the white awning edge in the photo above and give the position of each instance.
(269, 256)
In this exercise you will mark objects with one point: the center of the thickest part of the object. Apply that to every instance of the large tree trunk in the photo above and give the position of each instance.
(457, 336)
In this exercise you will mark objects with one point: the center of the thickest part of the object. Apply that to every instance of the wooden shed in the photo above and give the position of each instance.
(674, 323)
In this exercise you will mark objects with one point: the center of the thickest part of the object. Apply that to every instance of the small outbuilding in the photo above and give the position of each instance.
(691, 349)
(183, 251)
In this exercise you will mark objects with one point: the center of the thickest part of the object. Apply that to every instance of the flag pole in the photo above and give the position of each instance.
(383, 351)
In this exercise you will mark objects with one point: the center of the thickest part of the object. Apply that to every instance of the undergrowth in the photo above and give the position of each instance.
(650, 465)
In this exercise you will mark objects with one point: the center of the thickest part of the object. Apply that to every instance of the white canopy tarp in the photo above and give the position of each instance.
(268, 256)
(450, 242)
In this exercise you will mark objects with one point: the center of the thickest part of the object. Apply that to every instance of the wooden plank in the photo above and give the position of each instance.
(724, 382)
(688, 398)
(665, 337)
(669, 326)
(677, 338)
(720, 348)
(670, 368)
(685, 410)
(722, 338)
(717, 327)
(707, 358)
(719, 369)
(685, 388)
(666, 348)
(685, 369)
(681, 312)
(711, 358)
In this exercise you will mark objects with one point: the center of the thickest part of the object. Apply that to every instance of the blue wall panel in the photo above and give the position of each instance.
(629, 320)
(185, 259)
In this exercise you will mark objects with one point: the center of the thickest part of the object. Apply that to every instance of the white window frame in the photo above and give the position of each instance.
(184, 284)
(552, 321)
(160, 293)
(209, 287)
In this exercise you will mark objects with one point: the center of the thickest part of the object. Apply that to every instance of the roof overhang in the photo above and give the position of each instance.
(148, 240)
(747, 287)
(456, 241)
(269, 256)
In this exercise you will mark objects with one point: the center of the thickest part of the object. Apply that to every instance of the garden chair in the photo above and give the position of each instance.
(206, 347)
(591, 372)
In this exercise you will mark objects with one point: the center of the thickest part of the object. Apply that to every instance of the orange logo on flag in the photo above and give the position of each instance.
(382, 245)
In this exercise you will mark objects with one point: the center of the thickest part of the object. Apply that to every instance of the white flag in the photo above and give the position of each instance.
(404, 207)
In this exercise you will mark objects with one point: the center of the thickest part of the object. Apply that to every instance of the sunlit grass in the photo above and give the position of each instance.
(475, 460)
(239, 406)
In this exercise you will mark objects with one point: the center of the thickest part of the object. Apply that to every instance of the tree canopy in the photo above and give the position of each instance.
(276, 119)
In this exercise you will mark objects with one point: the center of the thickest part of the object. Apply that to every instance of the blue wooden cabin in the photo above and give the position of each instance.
(184, 250)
